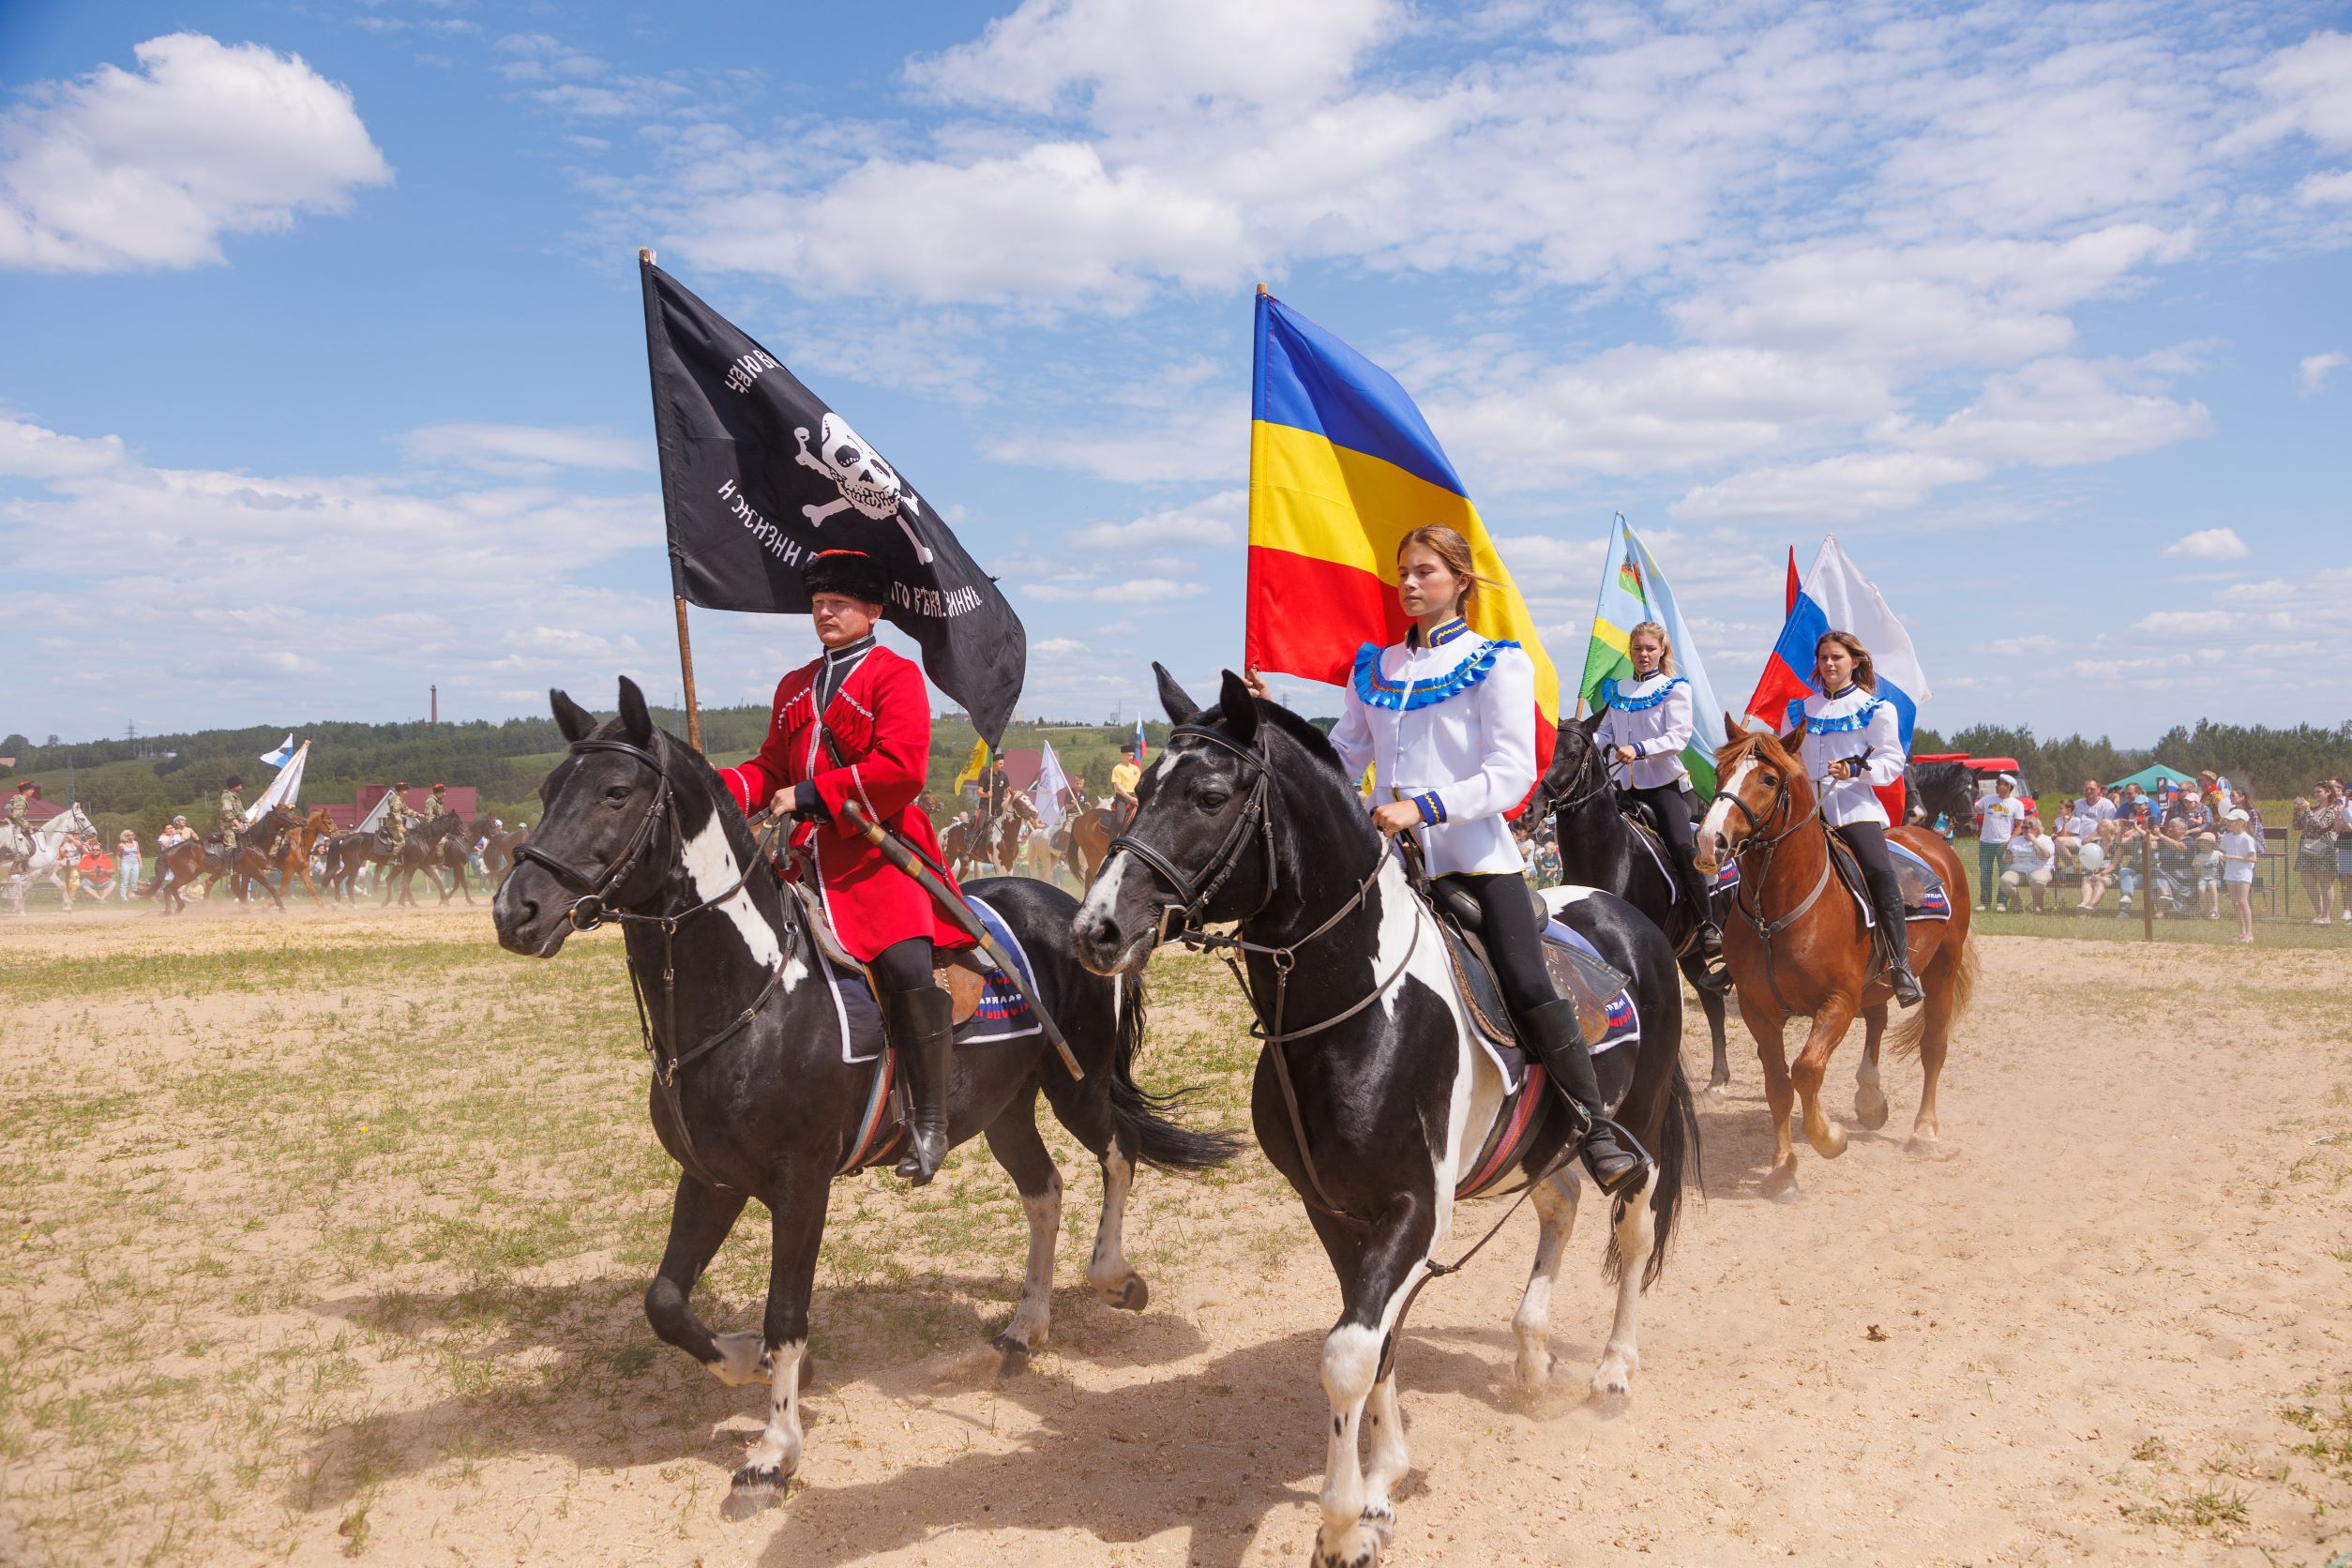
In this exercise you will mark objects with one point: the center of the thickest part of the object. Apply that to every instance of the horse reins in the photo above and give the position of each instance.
(592, 908)
(1766, 931)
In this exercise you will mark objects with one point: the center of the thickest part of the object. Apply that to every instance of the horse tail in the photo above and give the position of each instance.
(1678, 1163)
(1911, 1028)
(1148, 1118)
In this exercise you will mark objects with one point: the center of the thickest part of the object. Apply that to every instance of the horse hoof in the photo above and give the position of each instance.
(1612, 1388)
(1925, 1145)
(1719, 1087)
(1357, 1546)
(1016, 1356)
(1131, 1295)
(1870, 1109)
(1780, 1182)
(755, 1490)
(1829, 1142)
(1380, 1519)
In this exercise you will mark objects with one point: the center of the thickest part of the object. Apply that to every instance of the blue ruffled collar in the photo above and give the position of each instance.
(1836, 724)
(1447, 631)
(1376, 690)
(1615, 695)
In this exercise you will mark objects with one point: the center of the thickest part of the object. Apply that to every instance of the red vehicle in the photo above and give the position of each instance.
(1986, 769)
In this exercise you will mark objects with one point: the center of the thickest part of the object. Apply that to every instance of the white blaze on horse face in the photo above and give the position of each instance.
(712, 867)
(1717, 825)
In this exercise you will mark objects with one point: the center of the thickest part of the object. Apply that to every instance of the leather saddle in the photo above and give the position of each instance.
(1922, 891)
(1577, 977)
(963, 973)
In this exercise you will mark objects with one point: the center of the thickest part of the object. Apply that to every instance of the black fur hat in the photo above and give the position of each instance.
(847, 571)
(235, 783)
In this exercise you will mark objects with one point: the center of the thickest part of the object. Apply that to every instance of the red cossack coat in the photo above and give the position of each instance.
(881, 724)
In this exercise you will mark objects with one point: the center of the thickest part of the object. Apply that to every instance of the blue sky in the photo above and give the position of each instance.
(325, 373)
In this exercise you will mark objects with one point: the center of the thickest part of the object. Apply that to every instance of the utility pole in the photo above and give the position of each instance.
(435, 710)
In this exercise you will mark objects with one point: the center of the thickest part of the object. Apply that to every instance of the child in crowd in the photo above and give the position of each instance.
(2240, 849)
(2209, 875)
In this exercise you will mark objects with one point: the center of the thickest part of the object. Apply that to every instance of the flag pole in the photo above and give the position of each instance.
(686, 647)
(1250, 491)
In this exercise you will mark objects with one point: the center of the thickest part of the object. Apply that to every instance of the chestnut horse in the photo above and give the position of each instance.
(1798, 948)
(300, 842)
(1091, 833)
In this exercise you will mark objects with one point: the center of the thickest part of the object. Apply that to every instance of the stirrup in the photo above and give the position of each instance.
(1629, 1147)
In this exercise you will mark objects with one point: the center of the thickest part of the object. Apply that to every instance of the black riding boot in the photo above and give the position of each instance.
(1553, 1031)
(924, 1027)
(1886, 901)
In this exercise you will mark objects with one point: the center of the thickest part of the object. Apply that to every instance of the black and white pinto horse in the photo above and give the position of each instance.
(752, 1095)
(1599, 849)
(1246, 817)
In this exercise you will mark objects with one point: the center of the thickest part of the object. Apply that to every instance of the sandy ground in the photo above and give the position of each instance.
(2111, 1322)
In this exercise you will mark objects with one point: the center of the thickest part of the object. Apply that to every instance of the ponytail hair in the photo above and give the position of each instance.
(1448, 546)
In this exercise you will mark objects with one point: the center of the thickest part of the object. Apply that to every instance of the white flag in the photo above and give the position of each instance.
(279, 757)
(1045, 794)
(284, 790)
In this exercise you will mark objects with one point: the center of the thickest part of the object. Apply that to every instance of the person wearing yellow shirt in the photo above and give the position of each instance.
(1124, 779)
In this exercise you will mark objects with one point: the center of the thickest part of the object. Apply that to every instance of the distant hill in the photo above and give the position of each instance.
(139, 784)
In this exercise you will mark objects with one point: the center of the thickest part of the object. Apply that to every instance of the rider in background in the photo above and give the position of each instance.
(1126, 779)
(1647, 725)
(855, 725)
(1446, 720)
(20, 815)
(1849, 737)
(397, 815)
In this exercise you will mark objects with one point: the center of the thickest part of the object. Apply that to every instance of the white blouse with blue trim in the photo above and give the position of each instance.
(1852, 725)
(1653, 716)
(1449, 725)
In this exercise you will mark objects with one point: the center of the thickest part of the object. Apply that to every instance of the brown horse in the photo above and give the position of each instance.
(970, 849)
(294, 861)
(1091, 833)
(187, 862)
(1798, 948)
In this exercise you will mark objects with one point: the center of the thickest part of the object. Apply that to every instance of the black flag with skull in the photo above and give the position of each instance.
(758, 475)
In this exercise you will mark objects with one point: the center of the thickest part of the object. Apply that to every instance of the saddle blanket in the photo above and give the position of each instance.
(1924, 895)
(1606, 1009)
(1004, 1013)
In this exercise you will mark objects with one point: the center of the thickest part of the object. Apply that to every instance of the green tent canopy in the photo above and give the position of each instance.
(2154, 777)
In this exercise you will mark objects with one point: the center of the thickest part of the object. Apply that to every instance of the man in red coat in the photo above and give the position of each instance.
(856, 725)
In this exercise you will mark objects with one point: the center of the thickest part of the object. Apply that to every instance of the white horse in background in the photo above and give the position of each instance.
(18, 869)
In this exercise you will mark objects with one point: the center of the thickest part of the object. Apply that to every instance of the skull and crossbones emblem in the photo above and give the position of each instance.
(867, 483)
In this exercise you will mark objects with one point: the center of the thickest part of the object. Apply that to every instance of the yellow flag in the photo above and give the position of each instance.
(975, 767)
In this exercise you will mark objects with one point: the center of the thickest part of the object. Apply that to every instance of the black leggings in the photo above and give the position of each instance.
(1868, 840)
(1672, 809)
(904, 966)
(1514, 939)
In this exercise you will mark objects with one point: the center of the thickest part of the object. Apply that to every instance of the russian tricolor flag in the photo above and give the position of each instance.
(1835, 597)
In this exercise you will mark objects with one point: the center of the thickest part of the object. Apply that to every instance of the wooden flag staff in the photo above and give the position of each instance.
(686, 648)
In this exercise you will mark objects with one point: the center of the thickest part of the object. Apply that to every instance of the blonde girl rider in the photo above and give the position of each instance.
(1446, 721)
(1850, 736)
(1646, 725)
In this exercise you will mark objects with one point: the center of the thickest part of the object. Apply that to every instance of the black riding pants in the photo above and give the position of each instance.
(904, 966)
(1868, 840)
(1515, 940)
(1670, 805)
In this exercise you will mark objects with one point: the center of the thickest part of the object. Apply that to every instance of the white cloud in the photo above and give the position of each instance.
(2058, 411)
(29, 452)
(1129, 56)
(2310, 377)
(120, 170)
(1141, 591)
(2207, 544)
(1054, 648)
(2013, 647)
(2187, 622)
(524, 450)
(1853, 485)
(2323, 189)
(2308, 87)
(1214, 521)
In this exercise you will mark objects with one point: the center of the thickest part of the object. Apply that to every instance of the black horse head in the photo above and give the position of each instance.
(618, 811)
(1203, 846)
(1578, 772)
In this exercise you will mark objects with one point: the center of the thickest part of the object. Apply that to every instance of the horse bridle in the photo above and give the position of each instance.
(1768, 930)
(592, 908)
(1196, 891)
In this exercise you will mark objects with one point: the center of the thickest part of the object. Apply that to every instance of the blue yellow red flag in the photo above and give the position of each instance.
(1342, 466)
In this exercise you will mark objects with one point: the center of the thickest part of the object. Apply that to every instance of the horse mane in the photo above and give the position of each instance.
(1750, 743)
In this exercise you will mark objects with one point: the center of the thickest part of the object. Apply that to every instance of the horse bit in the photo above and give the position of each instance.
(593, 907)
